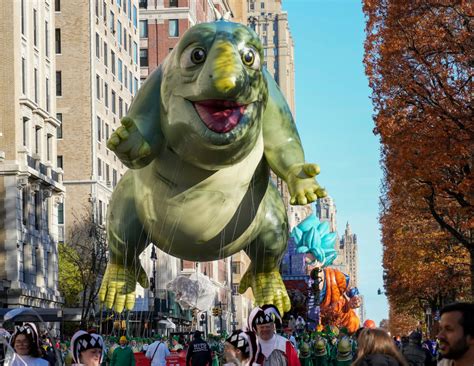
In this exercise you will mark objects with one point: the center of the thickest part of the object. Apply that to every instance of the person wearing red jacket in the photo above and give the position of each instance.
(275, 349)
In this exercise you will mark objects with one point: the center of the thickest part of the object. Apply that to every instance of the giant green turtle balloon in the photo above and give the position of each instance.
(200, 139)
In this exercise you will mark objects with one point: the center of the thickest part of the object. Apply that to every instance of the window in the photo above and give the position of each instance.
(37, 139)
(23, 75)
(119, 32)
(25, 131)
(97, 8)
(112, 22)
(35, 27)
(106, 55)
(125, 39)
(104, 12)
(235, 268)
(49, 146)
(144, 28)
(22, 16)
(37, 222)
(46, 38)
(107, 173)
(142, 3)
(129, 9)
(57, 5)
(143, 57)
(130, 45)
(99, 129)
(135, 86)
(124, 6)
(61, 213)
(173, 3)
(173, 28)
(135, 52)
(134, 16)
(130, 82)
(114, 178)
(112, 61)
(97, 45)
(99, 168)
(57, 40)
(125, 83)
(262, 5)
(59, 130)
(97, 86)
(120, 107)
(107, 132)
(36, 85)
(120, 75)
(252, 6)
(106, 94)
(48, 99)
(113, 102)
(59, 89)
(119, 3)
(126, 108)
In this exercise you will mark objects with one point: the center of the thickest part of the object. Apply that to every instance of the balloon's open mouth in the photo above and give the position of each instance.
(220, 116)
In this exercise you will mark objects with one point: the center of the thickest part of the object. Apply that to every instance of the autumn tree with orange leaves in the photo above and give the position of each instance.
(418, 58)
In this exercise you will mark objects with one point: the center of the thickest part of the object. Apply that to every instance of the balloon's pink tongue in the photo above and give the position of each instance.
(219, 116)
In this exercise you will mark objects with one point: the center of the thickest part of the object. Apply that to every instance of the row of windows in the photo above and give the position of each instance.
(171, 3)
(101, 49)
(36, 26)
(36, 89)
(103, 172)
(173, 28)
(102, 92)
(37, 132)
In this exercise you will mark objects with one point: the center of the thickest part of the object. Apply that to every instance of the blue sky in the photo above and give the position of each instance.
(334, 119)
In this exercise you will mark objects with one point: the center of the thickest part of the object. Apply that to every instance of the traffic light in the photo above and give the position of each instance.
(215, 311)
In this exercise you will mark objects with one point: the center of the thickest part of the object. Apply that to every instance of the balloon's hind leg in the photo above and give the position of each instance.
(126, 238)
(266, 252)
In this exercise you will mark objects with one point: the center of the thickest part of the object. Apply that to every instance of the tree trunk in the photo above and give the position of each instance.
(471, 252)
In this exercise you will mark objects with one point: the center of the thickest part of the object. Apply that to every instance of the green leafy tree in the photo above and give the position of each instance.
(82, 261)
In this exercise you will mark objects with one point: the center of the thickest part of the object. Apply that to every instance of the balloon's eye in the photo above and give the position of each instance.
(250, 58)
(198, 55)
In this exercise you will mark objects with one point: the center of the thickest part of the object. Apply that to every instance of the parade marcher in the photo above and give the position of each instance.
(289, 334)
(414, 353)
(175, 345)
(123, 355)
(305, 351)
(199, 352)
(25, 342)
(320, 351)
(276, 349)
(87, 348)
(344, 352)
(241, 349)
(456, 335)
(376, 348)
(157, 352)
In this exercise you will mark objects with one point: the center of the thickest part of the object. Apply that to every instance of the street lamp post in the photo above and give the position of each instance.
(153, 258)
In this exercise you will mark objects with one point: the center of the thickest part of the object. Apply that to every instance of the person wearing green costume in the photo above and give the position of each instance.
(305, 351)
(344, 352)
(320, 351)
(123, 355)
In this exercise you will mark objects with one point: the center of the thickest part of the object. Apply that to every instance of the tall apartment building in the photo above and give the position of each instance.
(97, 75)
(31, 189)
(349, 243)
(162, 24)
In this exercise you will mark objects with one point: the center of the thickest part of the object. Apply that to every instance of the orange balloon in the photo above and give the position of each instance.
(370, 324)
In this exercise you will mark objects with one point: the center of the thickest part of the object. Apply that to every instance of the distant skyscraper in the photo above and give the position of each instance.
(349, 245)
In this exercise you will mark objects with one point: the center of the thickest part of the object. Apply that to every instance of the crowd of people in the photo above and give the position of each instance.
(261, 345)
